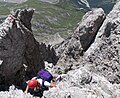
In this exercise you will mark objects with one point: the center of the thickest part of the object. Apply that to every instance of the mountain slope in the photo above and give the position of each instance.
(55, 21)
(107, 5)
(50, 21)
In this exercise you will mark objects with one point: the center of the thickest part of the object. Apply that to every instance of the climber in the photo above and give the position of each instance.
(33, 83)
(41, 82)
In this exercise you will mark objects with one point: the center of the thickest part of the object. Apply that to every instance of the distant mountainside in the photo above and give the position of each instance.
(54, 20)
(107, 5)
(88, 4)
(51, 22)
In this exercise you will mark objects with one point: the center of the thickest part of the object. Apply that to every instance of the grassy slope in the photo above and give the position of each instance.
(48, 18)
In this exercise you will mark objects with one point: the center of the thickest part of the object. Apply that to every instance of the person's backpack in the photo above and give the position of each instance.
(45, 76)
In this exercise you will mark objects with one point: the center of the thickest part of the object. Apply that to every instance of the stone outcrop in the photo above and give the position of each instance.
(14, 93)
(97, 74)
(104, 53)
(19, 51)
(81, 83)
(71, 50)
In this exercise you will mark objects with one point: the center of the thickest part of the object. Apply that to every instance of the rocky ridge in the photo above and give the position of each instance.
(88, 61)
(97, 71)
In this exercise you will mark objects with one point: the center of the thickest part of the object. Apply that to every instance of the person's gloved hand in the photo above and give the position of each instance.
(52, 85)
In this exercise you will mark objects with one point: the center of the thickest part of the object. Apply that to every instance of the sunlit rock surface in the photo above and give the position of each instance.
(95, 73)
(71, 50)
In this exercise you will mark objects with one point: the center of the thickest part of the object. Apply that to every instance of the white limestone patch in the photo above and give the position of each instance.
(51, 1)
(13, 1)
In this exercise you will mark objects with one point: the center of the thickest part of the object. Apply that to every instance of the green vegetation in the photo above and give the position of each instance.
(48, 18)
(4, 10)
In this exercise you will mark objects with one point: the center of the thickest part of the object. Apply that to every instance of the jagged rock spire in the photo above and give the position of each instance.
(18, 48)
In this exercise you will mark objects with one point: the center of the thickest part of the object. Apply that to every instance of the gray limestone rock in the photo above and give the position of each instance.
(19, 51)
(71, 87)
(104, 53)
(93, 52)
(98, 73)
(71, 50)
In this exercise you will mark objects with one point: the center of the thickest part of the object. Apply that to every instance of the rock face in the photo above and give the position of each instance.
(104, 53)
(71, 50)
(97, 72)
(19, 51)
(81, 83)
(93, 51)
